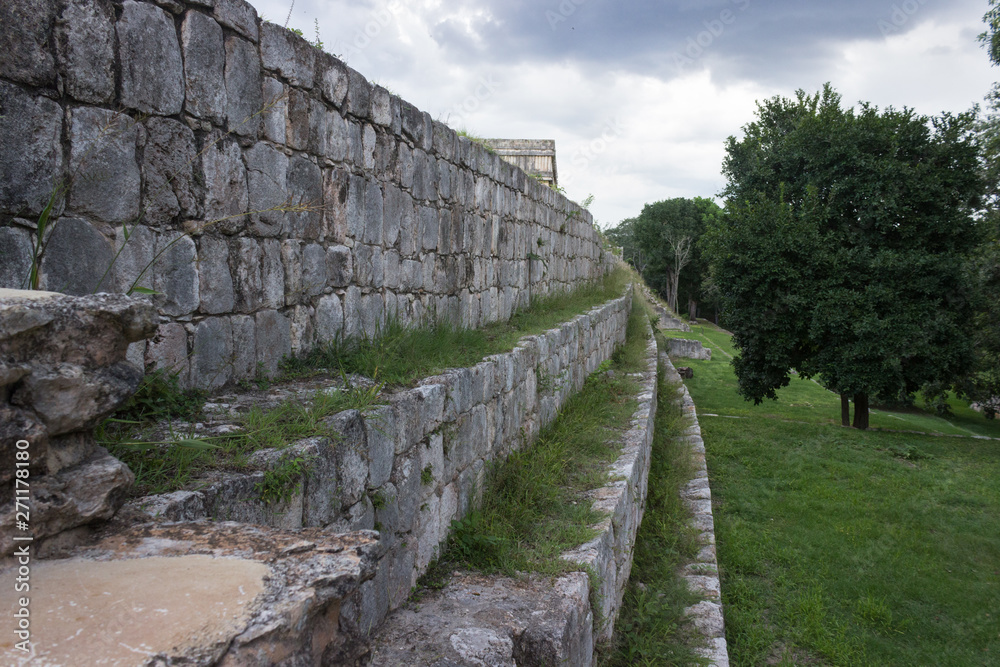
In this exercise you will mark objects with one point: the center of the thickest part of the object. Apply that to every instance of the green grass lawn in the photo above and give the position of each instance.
(842, 547)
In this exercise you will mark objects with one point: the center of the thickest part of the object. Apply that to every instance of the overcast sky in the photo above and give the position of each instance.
(640, 95)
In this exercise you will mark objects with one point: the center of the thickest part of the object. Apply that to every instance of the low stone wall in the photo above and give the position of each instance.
(702, 573)
(689, 349)
(479, 619)
(270, 194)
(62, 370)
(411, 467)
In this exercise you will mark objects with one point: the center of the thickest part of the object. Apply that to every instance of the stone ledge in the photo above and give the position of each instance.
(196, 594)
(702, 574)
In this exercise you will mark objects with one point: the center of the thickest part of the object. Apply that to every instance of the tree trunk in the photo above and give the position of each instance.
(845, 410)
(861, 411)
(692, 309)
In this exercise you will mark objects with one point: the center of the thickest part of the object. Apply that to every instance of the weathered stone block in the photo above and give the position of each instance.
(168, 172)
(215, 279)
(226, 198)
(168, 349)
(275, 110)
(244, 92)
(176, 275)
(25, 30)
(15, 257)
(238, 15)
(359, 93)
(244, 346)
(288, 54)
(69, 398)
(267, 183)
(30, 150)
(85, 47)
(329, 319)
(333, 79)
(77, 258)
(105, 170)
(368, 266)
(152, 78)
(204, 67)
(305, 188)
(314, 276)
(211, 360)
(274, 339)
(381, 107)
(339, 266)
(380, 430)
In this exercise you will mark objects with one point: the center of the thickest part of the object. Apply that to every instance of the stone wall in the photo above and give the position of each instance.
(271, 195)
(412, 466)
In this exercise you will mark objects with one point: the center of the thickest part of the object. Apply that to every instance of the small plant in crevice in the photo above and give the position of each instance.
(427, 475)
(285, 479)
(378, 500)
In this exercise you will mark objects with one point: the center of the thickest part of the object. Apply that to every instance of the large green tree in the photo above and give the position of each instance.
(844, 249)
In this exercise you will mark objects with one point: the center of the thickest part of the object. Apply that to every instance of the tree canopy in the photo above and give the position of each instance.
(662, 243)
(843, 251)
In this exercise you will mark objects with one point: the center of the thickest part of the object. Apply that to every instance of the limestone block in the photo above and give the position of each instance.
(204, 67)
(355, 144)
(305, 189)
(372, 312)
(405, 166)
(67, 397)
(211, 360)
(176, 275)
(359, 93)
(168, 188)
(336, 189)
(429, 532)
(374, 213)
(352, 313)
(244, 91)
(267, 181)
(381, 106)
(432, 458)
(369, 144)
(152, 76)
(303, 332)
(329, 319)
(275, 115)
(15, 257)
(288, 54)
(77, 258)
(412, 123)
(380, 430)
(374, 596)
(333, 79)
(390, 262)
(428, 223)
(90, 491)
(274, 339)
(339, 266)
(368, 266)
(301, 133)
(215, 279)
(248, 260)
(85, 49)
(30, 130)
(238, 15)
(103, 159)
(337, 139)
(424, 176)
(26, 31)
(244, 346)
(402, 577)
(411, 275)
(168, 349)
(226, 198)
(351, 450)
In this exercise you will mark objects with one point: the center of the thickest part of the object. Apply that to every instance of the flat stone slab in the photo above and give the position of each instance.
(193, 594)
(492, 620)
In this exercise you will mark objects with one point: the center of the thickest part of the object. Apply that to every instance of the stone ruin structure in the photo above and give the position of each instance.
(271, 199)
